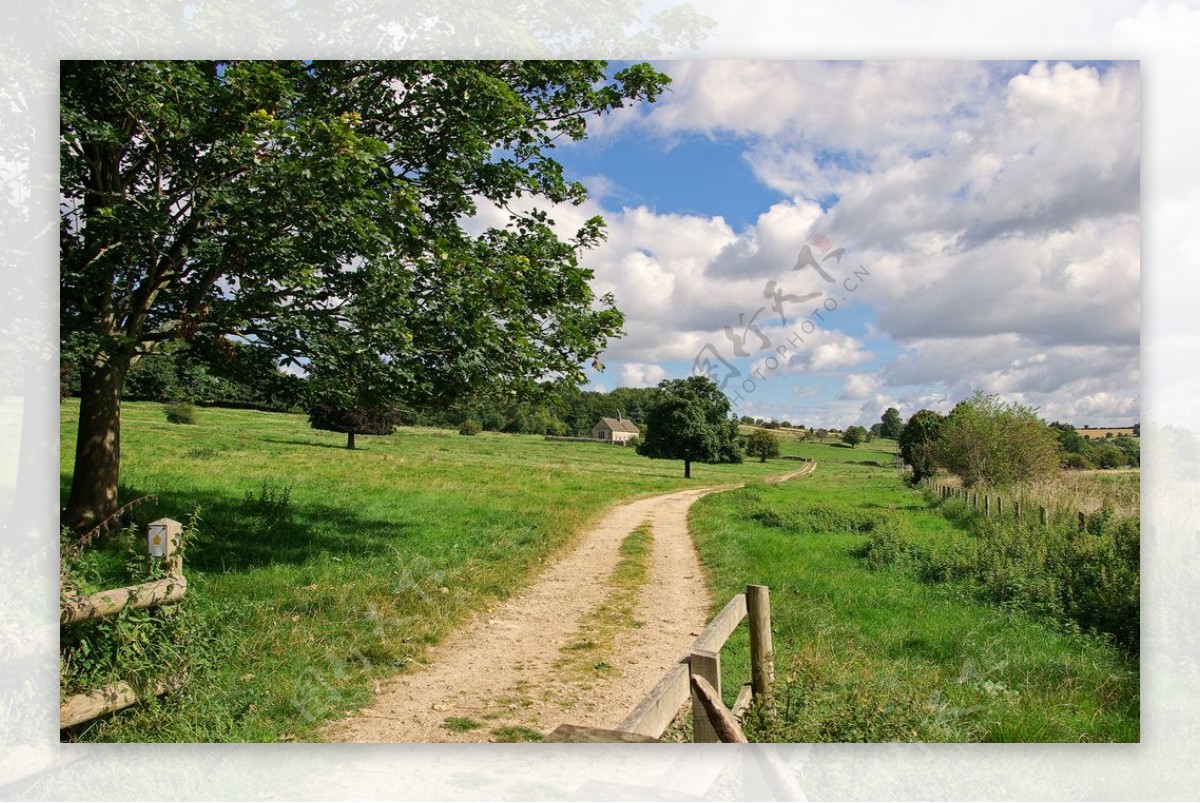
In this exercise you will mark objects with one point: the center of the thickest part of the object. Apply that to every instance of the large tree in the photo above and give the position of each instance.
(320, 211)
(987, 440)
(690, 421)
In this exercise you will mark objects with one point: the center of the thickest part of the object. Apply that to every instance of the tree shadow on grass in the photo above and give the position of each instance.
(316, 444)
(265, 527)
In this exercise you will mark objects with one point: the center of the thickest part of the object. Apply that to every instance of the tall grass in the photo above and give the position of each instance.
(871, 651)
(1087, 579)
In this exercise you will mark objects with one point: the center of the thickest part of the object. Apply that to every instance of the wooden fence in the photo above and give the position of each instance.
(698, 676)
(991, 504)
(162, 545)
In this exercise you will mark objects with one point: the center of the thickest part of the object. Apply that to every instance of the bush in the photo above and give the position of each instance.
(762, 444)
(1088, 580)
(1077, 462)
(181, 413)
(985, 440)
(470, 427)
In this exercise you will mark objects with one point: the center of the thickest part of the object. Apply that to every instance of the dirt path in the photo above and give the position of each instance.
(504, 668)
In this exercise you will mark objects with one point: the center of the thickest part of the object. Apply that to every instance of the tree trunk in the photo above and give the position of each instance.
(97, 447)
(349, 440)
(687, 469)
(763, 457)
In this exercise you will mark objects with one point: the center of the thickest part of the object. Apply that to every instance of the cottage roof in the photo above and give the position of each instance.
(620, 425)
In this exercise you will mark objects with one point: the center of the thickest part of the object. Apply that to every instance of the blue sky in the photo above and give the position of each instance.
(990, 207)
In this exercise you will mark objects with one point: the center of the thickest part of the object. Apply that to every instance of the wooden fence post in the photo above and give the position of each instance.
(162, 544)
(705, 664)
(1045, 514)
(1017, 511)
(762, 650)
(1082, 521)
(999, 507)
(987, 506)
(975, 500)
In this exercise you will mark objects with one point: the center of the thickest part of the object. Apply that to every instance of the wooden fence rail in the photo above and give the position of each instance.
(994, 502)
(698, 676)
(162, 545)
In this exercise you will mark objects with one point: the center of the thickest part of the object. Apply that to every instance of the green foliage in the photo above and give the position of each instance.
(310, 207)
(1088, 580)
(986, 440)
(691, 421)
(890, 424)
(181, 413)
(140, 647)
(1078, 452)
(470, 427)
(917, 440)
(354, 421)
(762, 444)
(855, 435)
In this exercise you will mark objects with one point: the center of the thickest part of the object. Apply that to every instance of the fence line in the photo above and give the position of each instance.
(995, 502)
(162, 546)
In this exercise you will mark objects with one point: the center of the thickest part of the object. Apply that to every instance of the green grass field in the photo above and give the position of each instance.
(867, 654)
(317, 570)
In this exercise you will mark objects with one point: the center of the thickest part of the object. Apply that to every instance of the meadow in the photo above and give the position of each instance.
(314, 571)
(867, 650)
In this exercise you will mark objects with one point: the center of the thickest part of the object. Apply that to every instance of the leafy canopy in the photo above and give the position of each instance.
(316, 209)
(762, 444)
(917, 441)
(986, 440)
(319, 211)
(691, 421)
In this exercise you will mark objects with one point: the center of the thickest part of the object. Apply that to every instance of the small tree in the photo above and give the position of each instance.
(822, 434)
(354, 421)
(890, 423)
(690, 421)
(986, 440)
(762, 444)
(854, 436)
(918, 440)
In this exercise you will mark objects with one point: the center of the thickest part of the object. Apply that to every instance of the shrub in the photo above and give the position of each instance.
(470, 427)
(1077, 462)
(762, 444)
(985, 440)
(181, 413)
(1087, 580)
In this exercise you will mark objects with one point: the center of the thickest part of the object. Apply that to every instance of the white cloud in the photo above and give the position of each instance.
(860, 386)
(995, 207)
(642, 375)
